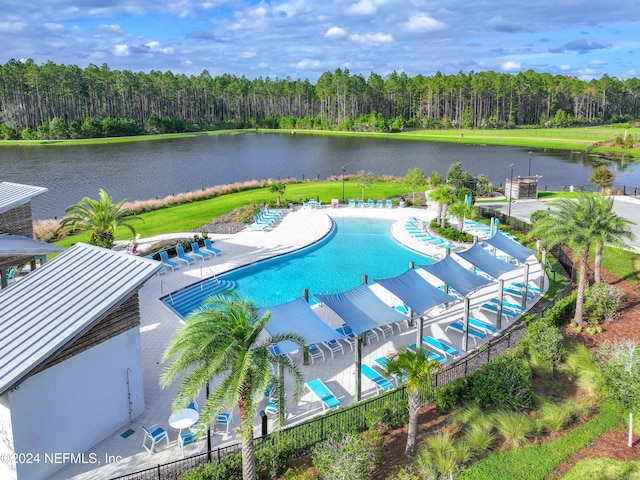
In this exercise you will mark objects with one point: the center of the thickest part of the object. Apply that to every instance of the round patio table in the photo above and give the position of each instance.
(183, 419)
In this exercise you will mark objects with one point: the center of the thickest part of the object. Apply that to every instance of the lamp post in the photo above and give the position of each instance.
(510, 191)
(343, 170)
(530, 153)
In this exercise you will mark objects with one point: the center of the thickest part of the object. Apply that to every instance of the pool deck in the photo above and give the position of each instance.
(294, 231)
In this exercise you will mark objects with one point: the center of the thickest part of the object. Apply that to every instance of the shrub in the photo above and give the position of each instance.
(273, 456)
(545, 342)
(348, 459)
(441, 457)
(601, 303)
(562, 311)
(229, 468)
(505, 382)
(451, 395)
(537, 215)
(555, 417)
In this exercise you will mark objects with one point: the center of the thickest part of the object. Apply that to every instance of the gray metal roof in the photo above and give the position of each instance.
(56, 303)
(15, 194)
(11, 245)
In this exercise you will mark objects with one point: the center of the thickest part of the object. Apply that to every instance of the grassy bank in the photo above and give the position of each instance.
(186, 217)
(578, 139)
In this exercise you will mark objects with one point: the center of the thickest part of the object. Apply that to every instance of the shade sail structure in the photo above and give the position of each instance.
(479, 257)
(361, 309)
(416, 292)
(298, 317)
(508, 246)
(456, 276)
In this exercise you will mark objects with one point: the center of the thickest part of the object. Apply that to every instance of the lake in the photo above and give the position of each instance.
(149, 169)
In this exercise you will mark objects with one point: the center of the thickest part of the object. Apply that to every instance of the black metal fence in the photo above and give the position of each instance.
(353, 418)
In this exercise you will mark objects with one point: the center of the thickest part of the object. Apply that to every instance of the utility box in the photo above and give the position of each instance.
(522, 188)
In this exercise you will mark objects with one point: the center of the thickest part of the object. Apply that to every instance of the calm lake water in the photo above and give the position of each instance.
(147, 169)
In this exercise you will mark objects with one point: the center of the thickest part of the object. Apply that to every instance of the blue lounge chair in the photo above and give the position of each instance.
(258, 226)
(370, 203)
(458, 326)
(361, 203)
(334, 346)
(492, 307)
(530, 287)
(380, 382)
(276, 352)
(195, 250)
(352, 202)
(508, 305)
(163, 269)
(484, 326)
(183, 257)
(518, 292)
(430, 354)
(268, 211)
(315, 352)
(322, 393)
(389, 204)
(349, 336)
(209, 248)
(164, 258)
(440, 347)
(11, 276)
(379, 203)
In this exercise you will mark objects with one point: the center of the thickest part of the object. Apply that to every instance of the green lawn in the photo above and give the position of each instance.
(186, 217)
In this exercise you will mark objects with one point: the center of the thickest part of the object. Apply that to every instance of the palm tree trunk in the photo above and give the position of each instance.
(598, 263)
(412, 434)
(582, 285)
(246, 435)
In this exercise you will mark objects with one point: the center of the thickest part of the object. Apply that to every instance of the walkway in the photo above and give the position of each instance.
(158, 324)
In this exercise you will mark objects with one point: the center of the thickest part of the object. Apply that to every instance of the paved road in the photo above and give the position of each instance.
(627, 207)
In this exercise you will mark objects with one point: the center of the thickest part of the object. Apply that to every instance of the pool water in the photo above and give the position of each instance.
(357, 246)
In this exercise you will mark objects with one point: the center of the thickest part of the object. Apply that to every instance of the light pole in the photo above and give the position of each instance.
(510, 191)
(530, 153)
(343, 170)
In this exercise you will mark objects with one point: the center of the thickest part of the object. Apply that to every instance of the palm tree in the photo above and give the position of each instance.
(444, 195)
(610, 229)
(224, 338)
(278, 188)
(417, 370)
(571, 223)
(101, 217)
(462, 210)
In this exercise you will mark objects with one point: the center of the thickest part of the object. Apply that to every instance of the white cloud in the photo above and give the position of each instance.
(424, 24)
(54, 26)
(362, 8)
(121, 50)
(307, 64)
(511, 66)
(335, 32)
(371, 39)
(110, 29)
(247, 54)
(564, 67)
(156, 48)
(12, 27)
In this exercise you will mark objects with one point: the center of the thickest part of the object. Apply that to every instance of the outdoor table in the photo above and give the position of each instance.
(183, 419)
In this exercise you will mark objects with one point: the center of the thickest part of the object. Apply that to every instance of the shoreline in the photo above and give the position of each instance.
(559, 139)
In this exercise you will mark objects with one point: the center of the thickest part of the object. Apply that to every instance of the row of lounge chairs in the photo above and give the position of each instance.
(416, 229)
(204, 253)
(265, 219)
(370, 203)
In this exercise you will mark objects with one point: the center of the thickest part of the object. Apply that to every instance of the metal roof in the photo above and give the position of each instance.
(15, 194)
(11, 245)
(53, 305)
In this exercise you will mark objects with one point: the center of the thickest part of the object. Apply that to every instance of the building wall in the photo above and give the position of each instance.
(75, 404)
(7, 468)
(17, 221)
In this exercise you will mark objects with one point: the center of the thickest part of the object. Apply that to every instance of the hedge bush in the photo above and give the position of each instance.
(505, 382)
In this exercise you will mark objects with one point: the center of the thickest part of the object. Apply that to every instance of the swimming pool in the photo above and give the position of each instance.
(356, 246)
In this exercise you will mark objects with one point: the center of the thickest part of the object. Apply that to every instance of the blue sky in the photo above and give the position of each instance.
(304, 38)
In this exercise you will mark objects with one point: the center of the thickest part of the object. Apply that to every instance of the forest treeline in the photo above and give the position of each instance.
(53, 101)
